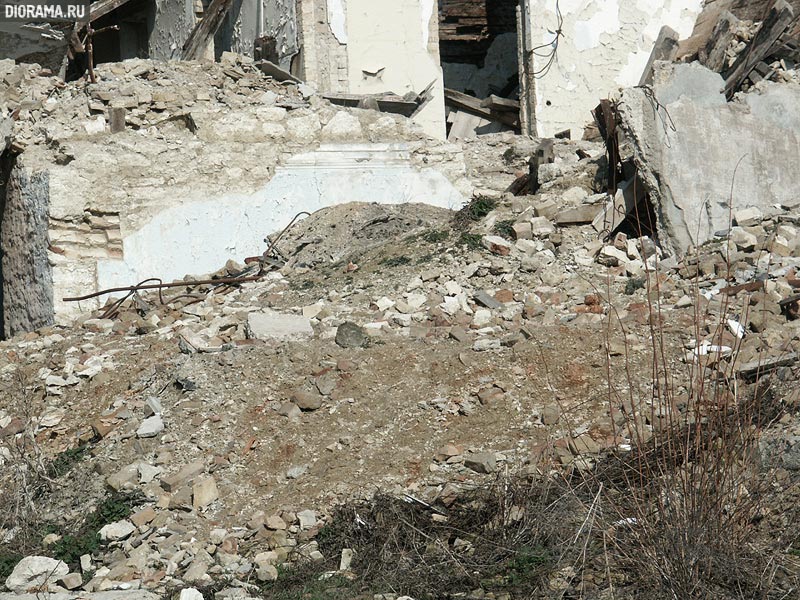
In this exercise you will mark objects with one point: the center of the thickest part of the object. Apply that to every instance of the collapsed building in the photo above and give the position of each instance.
(441, 50)
(164, 168)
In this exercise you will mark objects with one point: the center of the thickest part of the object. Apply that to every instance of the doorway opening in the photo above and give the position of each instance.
(478, 46)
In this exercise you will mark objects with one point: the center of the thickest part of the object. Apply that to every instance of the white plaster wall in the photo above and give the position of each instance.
(605, 46)
(196, 236)
(194, 231)
(390, 48)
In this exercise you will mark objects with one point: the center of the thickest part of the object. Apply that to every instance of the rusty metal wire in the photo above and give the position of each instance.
(265, 261)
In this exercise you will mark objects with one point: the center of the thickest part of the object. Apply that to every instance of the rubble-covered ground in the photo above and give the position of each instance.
(424, 403)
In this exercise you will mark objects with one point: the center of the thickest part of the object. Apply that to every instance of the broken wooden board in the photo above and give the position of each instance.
(465, 125)
(203, 32)
(472, 105)
(778, 20)
(274, 71)
(627, 197)
(499, 104)
(103, 7)
(714, 54)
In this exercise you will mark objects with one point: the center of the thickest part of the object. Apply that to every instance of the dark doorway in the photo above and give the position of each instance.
(478, 44)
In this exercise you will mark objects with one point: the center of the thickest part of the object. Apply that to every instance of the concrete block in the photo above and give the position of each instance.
(277, 326)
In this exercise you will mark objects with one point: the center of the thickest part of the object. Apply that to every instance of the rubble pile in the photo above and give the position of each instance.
(480, 293)
(202, 434)
(139, 94)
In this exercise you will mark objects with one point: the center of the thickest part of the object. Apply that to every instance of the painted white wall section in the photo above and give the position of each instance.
(337, 20)
(605, 46)
(387, 53)
(180, 240)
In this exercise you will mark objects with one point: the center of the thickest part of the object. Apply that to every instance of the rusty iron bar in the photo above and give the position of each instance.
(161, 286)
(270, 248)
(132, 289)
(90, 33)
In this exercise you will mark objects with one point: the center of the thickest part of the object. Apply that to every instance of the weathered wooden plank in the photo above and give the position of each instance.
(274, 71)
(204, 31)
(780, 17)
(473, 105)
(103, 7)
(500, 104)
(756, 368)
(714, 54)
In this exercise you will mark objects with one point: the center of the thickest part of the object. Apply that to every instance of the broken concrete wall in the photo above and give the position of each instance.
(323, 44)
(28, 299)
(30, 43)
(393, 46)
(172, 24)
(605, 45)
(373, 47)
(206, 168)
(695, 148)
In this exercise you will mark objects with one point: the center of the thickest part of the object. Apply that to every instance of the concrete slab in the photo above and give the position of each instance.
(702, 159)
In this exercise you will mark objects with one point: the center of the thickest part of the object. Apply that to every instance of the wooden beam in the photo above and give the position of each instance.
(778, 20)
(472, 105)
(204, 31)
(714, 54)
(103, 7)
(500, 104)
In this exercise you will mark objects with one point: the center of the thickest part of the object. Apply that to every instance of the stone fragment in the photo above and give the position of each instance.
(747, 217)
(490, 395)
(482, 317)
(522, 231)
(275, 522)
(34, 572)
(290, 410)
(152, 406)
(485, 344)
(307, 518)
(267, 573)
(611, 256)
(346, 559)
(743, 239)
(204, 492)
(150, 427)
(71, 581)
(551, 414)
(125, 478)
(86, 563)
(296, 472)
(350, 335)
(486, 299)
(143, 517)
(542, 227)
(116, 531)
(190, 594)
(496, 245)
(278, 326)
(580, 215)
(172, 482)
(482, 462)
(307, 401)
